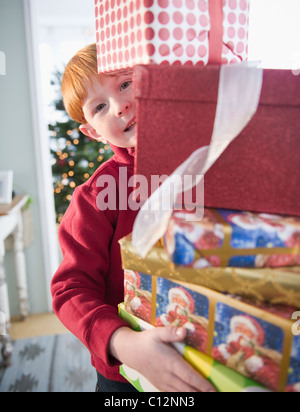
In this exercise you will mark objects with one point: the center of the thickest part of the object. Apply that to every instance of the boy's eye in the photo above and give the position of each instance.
(125, 85)
(99, 107)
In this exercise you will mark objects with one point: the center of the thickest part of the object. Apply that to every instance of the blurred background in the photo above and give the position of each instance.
(37, 38)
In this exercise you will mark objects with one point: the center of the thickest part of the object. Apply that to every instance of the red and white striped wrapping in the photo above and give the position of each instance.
(183, 32)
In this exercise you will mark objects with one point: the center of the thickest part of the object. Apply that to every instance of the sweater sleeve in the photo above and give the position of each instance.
(79, 285)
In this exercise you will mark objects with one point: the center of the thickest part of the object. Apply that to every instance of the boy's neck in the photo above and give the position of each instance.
(124, 155)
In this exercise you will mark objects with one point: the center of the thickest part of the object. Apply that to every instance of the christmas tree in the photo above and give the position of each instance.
(75, 157)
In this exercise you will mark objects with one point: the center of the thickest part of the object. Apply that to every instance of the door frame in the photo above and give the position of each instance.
(42, 150)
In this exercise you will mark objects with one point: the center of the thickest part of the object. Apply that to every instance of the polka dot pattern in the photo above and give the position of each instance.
(235, 37)
(171, 32)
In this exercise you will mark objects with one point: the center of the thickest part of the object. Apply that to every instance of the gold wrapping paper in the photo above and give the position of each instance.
(277, 286)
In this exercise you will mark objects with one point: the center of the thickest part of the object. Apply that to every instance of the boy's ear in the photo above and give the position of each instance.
(90, 132)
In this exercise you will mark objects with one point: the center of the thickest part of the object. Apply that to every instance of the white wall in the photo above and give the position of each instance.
(274, 33)
(17, 147)
(64, 26)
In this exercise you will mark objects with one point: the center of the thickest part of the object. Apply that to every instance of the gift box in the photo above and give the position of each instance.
(170, 32)
(260, 341)
(275, 286)
(233, 238)
(251, 340)
(224, 379)
(259, 171)
(137, 379)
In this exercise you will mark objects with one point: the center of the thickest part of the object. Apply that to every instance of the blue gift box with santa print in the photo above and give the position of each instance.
(248, 343)
(233, 238)
(293, 384)
(254, 339)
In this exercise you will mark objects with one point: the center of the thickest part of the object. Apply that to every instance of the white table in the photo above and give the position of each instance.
(11, 224)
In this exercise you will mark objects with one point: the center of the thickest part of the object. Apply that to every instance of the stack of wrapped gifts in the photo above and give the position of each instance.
(244, 318)
(231, 274)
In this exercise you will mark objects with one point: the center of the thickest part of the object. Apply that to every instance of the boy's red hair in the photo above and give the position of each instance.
(79, 73)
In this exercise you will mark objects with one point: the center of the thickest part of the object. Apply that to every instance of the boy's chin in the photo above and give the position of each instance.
(134, 142)
(124, 143)
(131, 142)
(128, 145)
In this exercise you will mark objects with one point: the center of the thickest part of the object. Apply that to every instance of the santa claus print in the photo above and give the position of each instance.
(262, 230)
(293, 384)
(245, 348)
(183, 308)
(137, 298)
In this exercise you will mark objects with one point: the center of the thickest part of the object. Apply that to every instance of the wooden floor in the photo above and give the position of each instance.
(36, 325)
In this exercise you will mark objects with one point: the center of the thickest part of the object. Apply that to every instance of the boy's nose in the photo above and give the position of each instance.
(122, 108)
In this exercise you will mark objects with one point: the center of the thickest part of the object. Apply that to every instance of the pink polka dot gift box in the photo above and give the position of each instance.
(173, 32)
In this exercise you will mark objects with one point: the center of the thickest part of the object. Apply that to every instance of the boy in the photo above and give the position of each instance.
(88, 285)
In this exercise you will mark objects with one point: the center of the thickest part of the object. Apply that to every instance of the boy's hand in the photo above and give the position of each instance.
(151, 354)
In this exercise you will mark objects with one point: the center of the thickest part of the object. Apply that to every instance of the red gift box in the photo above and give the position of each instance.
(176, 32)
(259, 171)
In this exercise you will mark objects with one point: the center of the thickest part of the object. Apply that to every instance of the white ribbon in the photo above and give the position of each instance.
(238, 99)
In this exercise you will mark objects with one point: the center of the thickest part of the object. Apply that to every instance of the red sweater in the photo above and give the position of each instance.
(88, 286)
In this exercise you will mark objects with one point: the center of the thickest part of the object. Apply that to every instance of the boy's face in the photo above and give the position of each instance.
(110, 110)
